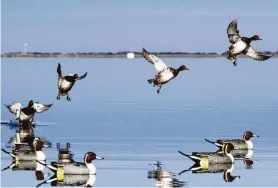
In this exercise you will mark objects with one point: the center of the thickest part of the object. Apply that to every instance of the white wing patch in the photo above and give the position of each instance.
(41, 107)
(158, 63)
(15, 107)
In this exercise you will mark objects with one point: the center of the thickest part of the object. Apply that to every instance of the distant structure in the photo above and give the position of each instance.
(25, 47)
(130, 55)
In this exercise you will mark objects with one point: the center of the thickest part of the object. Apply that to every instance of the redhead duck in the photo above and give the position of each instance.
(65, 83)
(164, 73)
(241, 45)
(27, 113)
(243, 144)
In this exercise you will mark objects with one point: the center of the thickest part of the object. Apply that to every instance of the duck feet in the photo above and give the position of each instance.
(58, 97)
(68, 98)
(158, 91)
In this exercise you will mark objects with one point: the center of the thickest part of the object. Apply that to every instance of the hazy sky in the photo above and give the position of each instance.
(117, 25)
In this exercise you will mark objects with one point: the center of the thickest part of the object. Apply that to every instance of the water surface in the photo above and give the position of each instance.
(118, 115)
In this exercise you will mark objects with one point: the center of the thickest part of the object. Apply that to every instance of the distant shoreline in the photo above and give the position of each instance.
(114, 55)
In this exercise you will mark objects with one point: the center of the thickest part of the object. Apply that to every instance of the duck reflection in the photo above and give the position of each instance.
(71, 180)
(242, 154)
(25, 134)
(164, 178)
(214, 168)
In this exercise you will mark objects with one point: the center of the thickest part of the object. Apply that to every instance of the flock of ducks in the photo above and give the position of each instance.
(27, 147)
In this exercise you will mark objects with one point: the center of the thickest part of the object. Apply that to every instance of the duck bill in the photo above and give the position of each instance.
(236, 148)
(46, 146)
(99, 158)
(256, 135)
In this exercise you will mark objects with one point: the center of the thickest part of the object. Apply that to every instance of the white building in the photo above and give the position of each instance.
(130, 55)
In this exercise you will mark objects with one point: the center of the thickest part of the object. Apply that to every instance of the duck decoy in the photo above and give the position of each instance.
(26, 152)
(245, 143)
(241, 45)
(164, 73)
(65, 83)
(27, 113)
(206, 158)
(85, 168)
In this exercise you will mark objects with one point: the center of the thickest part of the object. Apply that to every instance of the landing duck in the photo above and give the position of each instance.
(164, 73)
(241, 45)
(27, 113)
(65, 83)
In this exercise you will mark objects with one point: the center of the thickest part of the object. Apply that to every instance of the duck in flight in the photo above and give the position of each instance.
(65, 83)
(241, 45)
(164, 73)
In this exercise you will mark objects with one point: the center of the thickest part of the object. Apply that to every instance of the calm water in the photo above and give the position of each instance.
(118, 115)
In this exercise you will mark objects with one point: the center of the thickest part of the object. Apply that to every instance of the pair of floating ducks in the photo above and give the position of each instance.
(205, 158)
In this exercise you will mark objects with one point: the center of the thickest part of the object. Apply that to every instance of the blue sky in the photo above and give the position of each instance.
(118, 25)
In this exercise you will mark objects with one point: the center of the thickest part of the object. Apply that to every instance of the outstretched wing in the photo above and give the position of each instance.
(14, 107)
(59, 71)
(153, 59)
(83, 76)
(233, 32)
(41, 107)
(256, 55)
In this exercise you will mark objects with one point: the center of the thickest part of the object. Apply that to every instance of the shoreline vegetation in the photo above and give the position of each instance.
(116, 55)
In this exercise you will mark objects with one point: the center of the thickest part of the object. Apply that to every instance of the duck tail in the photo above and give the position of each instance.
(225, 54)
(9, 153)
(192, 157)
(150, 81)
(215, 143)
(52, 168)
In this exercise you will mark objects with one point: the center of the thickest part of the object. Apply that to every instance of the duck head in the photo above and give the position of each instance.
(30, 104)
(75, 76)
(256, 37)
(182, 68)
(248, 134)
(90, 156)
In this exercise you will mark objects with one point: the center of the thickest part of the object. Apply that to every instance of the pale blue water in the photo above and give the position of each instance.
(118, 115)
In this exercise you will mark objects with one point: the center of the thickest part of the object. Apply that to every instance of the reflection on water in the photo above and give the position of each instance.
(70, 180)
(164, 178)
(214, 168)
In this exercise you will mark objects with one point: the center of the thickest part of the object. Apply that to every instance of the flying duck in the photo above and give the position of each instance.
(241, 45)
(27, 113)
(65, 83)
(164, 73)
(243, 144)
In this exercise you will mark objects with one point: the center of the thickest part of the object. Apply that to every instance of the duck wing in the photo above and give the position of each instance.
(233, 32)
(41, 107)
(14, 107)
(256, 55)
(59, 71)
(83, 76)
(153, 59)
